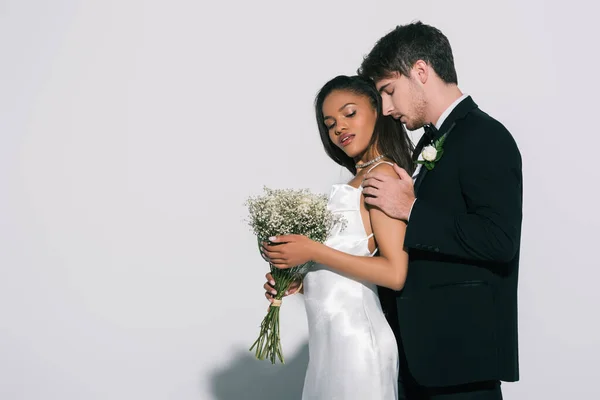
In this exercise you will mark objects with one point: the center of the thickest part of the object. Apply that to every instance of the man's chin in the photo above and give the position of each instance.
(412, 126)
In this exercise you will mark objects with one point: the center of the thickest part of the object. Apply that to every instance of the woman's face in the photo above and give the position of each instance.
(350, 119)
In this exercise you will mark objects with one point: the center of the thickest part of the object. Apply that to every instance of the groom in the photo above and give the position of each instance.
(457, 314)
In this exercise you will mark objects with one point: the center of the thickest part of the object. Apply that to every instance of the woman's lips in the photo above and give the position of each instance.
(346, 139)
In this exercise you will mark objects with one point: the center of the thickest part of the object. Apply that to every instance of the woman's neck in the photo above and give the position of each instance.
(367, 156)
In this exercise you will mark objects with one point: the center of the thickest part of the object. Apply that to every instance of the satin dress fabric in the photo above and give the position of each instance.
(353, 353)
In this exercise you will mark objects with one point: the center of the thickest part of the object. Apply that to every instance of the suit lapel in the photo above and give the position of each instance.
(419, 178)
(460, 111)
(424, 169)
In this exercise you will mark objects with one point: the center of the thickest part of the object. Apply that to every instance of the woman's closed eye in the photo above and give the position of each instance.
(349, 115)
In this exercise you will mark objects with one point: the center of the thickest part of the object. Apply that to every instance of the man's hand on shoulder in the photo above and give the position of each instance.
(391, 190)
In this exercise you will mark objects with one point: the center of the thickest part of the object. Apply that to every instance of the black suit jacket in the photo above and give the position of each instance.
(457, 313)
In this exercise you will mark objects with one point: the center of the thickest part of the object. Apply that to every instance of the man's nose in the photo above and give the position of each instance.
(386, 107)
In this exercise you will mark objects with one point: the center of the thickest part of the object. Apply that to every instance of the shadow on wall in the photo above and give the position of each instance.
(247, 378)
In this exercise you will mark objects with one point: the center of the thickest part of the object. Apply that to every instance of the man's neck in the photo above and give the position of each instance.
(440, 99)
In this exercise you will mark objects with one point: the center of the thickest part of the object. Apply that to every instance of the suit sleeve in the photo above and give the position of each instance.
(491, 184)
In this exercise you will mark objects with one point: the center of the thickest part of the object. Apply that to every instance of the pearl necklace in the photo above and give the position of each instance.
(366, 164)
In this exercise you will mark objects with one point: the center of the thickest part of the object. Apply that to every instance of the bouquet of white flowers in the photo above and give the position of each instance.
(282, 212)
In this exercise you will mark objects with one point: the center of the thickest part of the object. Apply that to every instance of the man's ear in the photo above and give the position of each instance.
(421, 71)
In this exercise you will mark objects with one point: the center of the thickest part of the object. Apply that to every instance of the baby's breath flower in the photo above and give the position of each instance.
(289, 211)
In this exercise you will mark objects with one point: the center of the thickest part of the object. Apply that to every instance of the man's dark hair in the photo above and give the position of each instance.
(398, 51)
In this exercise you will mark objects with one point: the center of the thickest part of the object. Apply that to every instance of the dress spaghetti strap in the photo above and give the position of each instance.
(379, 163)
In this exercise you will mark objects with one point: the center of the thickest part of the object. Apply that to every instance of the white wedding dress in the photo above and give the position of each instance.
(353, 353)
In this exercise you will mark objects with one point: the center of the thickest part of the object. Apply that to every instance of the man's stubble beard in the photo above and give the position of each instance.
(419, 108)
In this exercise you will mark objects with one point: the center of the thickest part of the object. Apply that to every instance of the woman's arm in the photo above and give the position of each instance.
(388, 270)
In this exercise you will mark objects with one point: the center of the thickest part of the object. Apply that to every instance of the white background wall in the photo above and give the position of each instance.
(131, 132)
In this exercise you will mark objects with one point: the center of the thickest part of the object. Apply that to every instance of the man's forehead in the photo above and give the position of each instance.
(390, 77)
(382, 83)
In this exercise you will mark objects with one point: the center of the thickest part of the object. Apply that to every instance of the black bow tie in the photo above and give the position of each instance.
(429, 133)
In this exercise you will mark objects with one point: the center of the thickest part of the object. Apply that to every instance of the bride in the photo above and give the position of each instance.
(352, 350)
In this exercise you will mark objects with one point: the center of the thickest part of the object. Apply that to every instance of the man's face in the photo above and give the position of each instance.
(404, 99)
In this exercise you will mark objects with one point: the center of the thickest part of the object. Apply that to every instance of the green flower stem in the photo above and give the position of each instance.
(268, 343)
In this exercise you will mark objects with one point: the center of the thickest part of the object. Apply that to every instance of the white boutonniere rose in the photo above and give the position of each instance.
(433, 153)
(429, 153)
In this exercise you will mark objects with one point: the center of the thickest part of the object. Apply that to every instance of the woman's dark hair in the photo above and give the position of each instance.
(389, 134)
